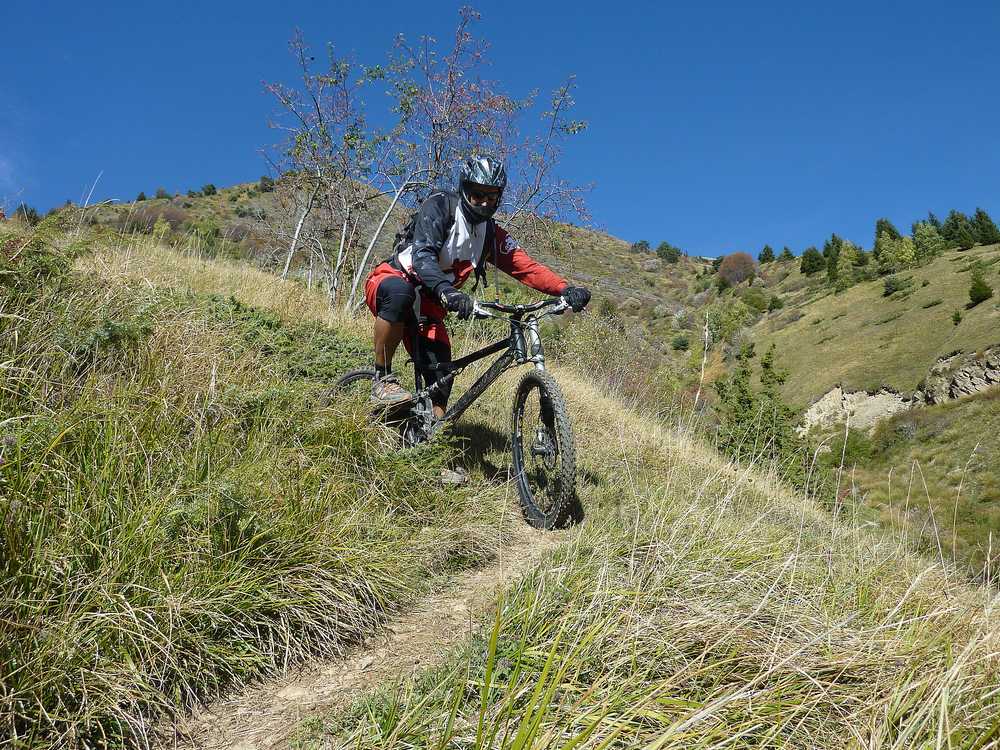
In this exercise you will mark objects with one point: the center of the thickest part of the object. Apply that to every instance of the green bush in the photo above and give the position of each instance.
(755, 298)
(265, 184)
(668, 253)
(680, 342)
(208, 189)
(893, 284)
(775, 303)
(956, 317)
(140, 197)
(28, 214)
(979, 290)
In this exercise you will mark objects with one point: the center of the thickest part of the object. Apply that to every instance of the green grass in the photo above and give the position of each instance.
(935, 473)
(860, 361)
(180, 514)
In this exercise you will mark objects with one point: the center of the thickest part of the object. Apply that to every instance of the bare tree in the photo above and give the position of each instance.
(341, 180)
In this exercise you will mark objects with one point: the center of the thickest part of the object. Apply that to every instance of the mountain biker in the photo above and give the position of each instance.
(450, 238)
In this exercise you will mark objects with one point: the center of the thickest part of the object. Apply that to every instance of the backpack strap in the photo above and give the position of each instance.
(489, 246)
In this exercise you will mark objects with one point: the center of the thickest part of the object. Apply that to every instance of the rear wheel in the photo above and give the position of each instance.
(544, 453)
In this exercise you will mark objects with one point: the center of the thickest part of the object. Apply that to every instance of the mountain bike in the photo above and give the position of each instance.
(544, 456)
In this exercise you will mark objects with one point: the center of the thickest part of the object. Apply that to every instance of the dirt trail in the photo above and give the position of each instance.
(264, 716)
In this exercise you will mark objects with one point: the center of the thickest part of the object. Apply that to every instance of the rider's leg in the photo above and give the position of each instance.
(433, 352)
(387, 338)
(393, 306)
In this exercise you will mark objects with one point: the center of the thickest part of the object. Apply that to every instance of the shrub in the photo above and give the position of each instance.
(680, 342)
(811, 262)
(140, 197)
(28, 214)
(979, 290)
(737, 268)
(193, 194)
(162, 193)
(776, 303)
(895, 284)
(932, 303)
(956, 317)
(758, 424)
(265, 184)
(146, 218)
(640, 247)
(668, 253)
(755, 299)
(208, 189)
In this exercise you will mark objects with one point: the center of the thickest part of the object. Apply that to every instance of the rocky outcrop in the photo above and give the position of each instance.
(951, 377)
(863, 409)
(959, 375)
(652, 264)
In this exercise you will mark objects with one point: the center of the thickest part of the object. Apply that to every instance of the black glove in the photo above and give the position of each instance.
(576, 296)
(458, 302)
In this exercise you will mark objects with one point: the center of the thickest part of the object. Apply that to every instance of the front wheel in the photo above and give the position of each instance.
(544, 453)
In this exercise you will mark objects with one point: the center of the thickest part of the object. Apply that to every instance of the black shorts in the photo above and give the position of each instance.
(394, 300)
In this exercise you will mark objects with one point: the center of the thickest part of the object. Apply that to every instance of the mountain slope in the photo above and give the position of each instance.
(862, 339)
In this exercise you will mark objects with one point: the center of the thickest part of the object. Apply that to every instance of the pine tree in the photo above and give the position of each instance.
(831, 251)
(786, 254)
(965, 238)
(983, 228)
(640, 247)
(928, 241)
(884, 227)
(896, 254)
(933, 220)
(847, 259)
(811, 262)
(766, 255)
(952, 229)
(140, 197)
(979, 290)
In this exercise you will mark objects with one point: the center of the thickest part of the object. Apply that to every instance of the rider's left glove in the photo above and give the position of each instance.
(457, 302)
(576, 296)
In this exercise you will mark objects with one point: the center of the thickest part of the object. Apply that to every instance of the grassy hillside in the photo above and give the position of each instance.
(934, 472)
(587, 256)
(864, 340)
(185, 516)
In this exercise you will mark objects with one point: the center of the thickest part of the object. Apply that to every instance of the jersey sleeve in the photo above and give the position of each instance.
(516, 263)
(429, 234)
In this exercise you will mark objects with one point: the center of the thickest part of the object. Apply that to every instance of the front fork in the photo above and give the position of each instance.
(528, 344)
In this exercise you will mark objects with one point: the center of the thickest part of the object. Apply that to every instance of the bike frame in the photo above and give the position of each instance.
(522, 345)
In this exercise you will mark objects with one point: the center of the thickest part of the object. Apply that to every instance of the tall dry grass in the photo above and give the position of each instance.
(705, 605)
(179, 513)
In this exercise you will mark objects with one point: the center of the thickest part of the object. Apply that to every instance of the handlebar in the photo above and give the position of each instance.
(558, 303)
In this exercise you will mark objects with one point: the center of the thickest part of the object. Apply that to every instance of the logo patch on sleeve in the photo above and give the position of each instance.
(509, 245)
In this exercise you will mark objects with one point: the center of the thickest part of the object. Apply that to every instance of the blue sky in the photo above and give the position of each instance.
(718, 126)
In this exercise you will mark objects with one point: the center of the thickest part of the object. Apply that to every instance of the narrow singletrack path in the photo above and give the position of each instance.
(264, 716)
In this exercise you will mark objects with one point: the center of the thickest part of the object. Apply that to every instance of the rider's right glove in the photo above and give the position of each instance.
(576, 296)
(457, 302)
